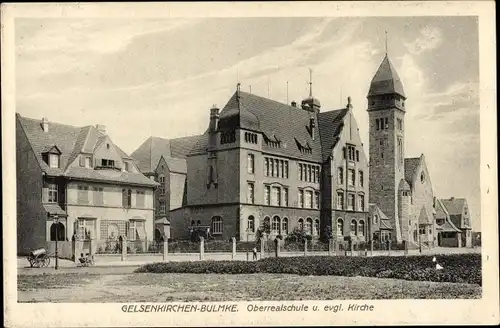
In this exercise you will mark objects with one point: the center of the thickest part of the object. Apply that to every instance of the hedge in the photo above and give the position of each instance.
(458, 268)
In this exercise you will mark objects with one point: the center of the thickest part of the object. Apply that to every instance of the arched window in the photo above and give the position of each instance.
(308, 227)
(361, 228)
(251, 224)
(316, 227)
(284, 226)
(157, 235)
(340, 227)
(276, 224)
(354, 226)
(113, 231)
(301, 224)
(217, 225)
(57, 229)
(375, 219)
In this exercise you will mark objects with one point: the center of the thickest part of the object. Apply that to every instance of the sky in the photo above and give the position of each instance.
(145, 77)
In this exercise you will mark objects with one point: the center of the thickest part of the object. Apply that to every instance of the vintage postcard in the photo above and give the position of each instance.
(249, 163)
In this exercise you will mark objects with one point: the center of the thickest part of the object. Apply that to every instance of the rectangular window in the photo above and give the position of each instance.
(301, 198)
(351, 151)
(267, 195)
(386, 123)
(286, 170)
(361, 179)
(285, 196)
(250, 163)
(126, 198)
(316, 200)
(361, 204)
(275, 196)
(98, 196)
(280, 171)
(351, 177)
(139, 201)
(162, 185)
(341, 175)
(83, 194)
(340, 200)
(54, 160)
(127, 166)
(309, 171)
(86, 229)
(309, 196)
(266, 167)
(350, 202)
(300, 171)
(317, 174)
(250, 196)
(271, 167)
(53, 193)
(357, 155)
(163, 207)
(276, 172)
(377, 123)
(88, 162)
(107, 163)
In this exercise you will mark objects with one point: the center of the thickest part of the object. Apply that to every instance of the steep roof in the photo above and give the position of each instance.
(385, 222)
(330, 125)
(72, 141)
(441, 211)
(288, 124)
(411, 165)
(149, 153)
(454, 206)
(386, 80)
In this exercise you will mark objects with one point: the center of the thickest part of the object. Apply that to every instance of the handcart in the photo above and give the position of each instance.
(38, 258)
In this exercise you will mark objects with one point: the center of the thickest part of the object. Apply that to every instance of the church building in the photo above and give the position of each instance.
(400, 187)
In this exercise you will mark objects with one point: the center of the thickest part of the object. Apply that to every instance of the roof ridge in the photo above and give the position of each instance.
(53, 122)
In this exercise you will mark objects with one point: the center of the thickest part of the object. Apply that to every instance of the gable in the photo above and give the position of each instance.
(330, 126)
(107, 150)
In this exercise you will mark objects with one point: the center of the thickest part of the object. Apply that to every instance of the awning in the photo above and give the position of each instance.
(162, 221)
(54, 209)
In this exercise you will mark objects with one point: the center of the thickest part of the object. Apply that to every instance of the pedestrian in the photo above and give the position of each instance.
(254, 251)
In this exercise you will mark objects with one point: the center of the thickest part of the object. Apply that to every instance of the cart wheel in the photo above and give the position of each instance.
(46, 262)
(36, 264)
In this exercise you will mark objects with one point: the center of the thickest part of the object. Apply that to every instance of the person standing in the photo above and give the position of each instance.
(254, 251)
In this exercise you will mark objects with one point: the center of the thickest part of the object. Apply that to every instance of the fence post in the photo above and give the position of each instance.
(371, 247)
(233, 255)
(305, 247)
(331, 246)
(262, 244)
(202, 247)
(405, 245)
(277, 247)
(165, 249)
(123, 242)
(390, 242)
(76, 247)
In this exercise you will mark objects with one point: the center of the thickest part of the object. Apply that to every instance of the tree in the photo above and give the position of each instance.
(327, 234)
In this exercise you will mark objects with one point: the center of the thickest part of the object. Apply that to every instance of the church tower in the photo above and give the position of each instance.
(386, 111)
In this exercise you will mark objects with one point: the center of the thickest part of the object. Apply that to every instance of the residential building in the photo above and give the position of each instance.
(79, 176)
(164, 161)
(453, 223)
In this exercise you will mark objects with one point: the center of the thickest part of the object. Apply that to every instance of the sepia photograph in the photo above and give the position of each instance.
(187, 163)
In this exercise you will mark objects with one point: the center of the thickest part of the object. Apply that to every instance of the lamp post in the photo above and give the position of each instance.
(56, 222)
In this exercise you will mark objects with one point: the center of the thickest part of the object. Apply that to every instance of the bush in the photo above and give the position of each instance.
(458, 268)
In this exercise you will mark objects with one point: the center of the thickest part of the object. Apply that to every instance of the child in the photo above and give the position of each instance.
(254, 250)
(82, 259)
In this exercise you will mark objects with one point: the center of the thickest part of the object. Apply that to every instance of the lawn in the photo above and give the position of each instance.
(152, 287)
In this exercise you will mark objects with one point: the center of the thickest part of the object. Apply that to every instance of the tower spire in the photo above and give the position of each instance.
(310, 83)
(386, 43)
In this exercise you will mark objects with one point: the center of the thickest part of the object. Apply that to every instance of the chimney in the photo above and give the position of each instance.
(101, 128)
(45, 124)
(214, 119)
(452, 198)
(312, 125)
(294, 104)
